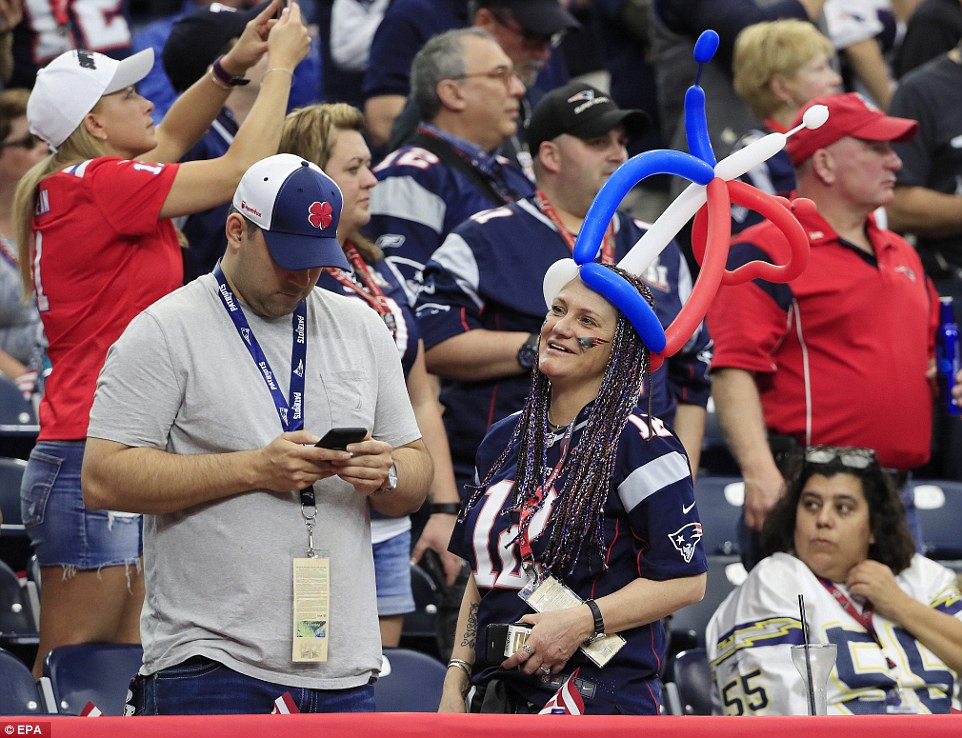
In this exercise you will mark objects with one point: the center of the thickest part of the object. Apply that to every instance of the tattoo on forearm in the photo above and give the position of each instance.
(471, 631)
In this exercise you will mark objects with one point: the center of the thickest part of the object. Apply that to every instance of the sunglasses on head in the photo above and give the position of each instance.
(28, 143)
(849, 456)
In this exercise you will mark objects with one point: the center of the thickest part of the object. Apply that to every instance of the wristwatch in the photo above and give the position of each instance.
(599, 622)
(390, 484)
(528, 353)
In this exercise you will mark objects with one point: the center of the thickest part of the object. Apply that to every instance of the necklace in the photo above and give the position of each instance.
(555, 428)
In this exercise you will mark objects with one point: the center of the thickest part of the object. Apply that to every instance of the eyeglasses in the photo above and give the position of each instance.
(849, 456)
(532, 41)
(28, 143)
(504, 74)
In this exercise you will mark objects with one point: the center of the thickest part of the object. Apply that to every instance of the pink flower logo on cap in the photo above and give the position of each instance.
(321, 214)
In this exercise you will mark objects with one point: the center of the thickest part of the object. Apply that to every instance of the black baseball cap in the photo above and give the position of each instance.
(200, 37)
(580, 110)
(542, 17)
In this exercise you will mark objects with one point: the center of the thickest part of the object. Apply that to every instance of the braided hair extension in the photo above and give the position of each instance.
(579, 512)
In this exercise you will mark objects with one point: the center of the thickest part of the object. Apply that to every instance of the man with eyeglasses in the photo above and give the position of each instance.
(527, 31)
(482, 305)
(842, 355)
(466, 87)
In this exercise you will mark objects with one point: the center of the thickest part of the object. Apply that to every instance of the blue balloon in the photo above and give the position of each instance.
(696, 126)
(661, 161)
(629, 301)
(706, 46)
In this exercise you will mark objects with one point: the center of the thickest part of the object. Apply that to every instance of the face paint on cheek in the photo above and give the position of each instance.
(587, 342)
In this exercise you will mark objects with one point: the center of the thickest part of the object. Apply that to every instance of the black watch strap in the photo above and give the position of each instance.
(599, 621)
(445, 508)
(528, 353)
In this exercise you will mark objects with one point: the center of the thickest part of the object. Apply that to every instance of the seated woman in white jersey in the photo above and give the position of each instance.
(839, 538)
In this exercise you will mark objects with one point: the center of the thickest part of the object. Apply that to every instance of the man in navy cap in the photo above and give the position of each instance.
(206, 417)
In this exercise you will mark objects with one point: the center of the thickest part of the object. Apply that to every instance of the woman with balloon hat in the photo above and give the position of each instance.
(586, 502)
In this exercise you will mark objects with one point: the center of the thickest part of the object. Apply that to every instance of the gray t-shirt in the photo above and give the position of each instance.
(219, 575)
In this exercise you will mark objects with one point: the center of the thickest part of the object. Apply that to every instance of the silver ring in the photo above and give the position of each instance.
(546, 670)
(527, 649)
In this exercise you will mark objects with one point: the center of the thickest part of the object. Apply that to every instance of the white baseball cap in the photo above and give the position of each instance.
(297, 207)
(69, 87)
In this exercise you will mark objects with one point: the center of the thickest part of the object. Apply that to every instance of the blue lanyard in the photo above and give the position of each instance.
(291, 409)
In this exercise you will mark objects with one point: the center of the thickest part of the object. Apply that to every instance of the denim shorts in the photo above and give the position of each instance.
(392, 575)
(63, 531)
(201, 686)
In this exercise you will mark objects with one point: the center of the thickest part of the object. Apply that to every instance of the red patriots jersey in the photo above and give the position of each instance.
(100, 256)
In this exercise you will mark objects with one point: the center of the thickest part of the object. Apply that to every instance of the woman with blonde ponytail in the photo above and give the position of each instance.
(97, 246)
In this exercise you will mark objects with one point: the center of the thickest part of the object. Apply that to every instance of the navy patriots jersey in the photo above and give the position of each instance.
(419, 200)
(652, 531)
(488, 274)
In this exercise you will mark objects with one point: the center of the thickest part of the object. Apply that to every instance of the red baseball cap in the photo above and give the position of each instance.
(849, 114)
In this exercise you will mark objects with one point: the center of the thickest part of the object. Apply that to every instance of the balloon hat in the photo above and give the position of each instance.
(709, 197)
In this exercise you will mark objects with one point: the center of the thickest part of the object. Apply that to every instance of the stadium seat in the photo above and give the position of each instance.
(686, 627)
(18, 421)
(18, 620)
(18, 690)
(939, 506)
(423, 622)
(92, 672)
(720, 501)
(15, 546)
(410, 682)
(693, 681)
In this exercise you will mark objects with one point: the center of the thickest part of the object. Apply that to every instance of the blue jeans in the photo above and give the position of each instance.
(63, 531)
(392, 575)
(200, 686)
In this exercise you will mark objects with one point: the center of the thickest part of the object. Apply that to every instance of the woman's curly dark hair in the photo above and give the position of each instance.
(893, 544)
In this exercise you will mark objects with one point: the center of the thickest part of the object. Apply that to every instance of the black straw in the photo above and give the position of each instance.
(808, 657)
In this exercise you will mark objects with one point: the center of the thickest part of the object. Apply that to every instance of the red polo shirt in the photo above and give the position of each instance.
(840, 353)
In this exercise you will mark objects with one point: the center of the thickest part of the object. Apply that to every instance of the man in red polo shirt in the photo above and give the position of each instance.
(843, 354)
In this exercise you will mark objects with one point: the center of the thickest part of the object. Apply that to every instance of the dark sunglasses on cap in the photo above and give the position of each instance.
(28, 143)
(849, 456)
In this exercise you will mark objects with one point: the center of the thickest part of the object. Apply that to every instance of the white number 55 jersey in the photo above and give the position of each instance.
(750, 636)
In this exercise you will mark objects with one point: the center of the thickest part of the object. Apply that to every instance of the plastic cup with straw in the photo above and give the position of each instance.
(815, 665)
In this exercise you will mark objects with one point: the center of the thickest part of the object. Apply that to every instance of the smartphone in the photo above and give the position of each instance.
(503, 639)
(338, 438)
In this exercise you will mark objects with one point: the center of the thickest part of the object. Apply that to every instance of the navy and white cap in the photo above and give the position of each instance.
(297, 207)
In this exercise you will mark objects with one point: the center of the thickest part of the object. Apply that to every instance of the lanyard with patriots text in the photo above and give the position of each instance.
(530, 506)
(290, 410)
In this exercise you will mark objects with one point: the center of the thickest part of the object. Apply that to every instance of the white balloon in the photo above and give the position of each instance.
(815, 116)
(557, 276)
(664, 229)
(735, 165)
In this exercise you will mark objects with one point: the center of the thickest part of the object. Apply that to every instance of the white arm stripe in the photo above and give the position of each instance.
(403, 197)
(657, 474)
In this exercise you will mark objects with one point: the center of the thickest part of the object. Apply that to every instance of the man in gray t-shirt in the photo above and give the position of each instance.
(205, 419)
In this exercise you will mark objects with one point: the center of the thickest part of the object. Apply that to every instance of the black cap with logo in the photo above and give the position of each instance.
(580, 110)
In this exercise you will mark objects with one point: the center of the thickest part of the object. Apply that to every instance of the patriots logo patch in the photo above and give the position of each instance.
(320, 214)
(583, 95)
(684, 540)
